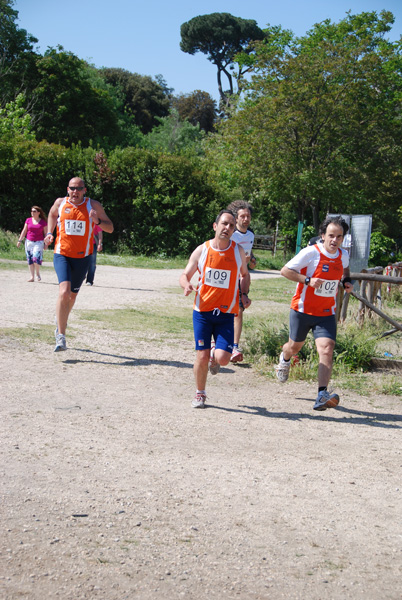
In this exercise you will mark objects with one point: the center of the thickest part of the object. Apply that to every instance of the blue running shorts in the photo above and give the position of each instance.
(71, 269)
(219, 325)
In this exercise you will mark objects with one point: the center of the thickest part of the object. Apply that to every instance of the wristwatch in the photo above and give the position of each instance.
(307, 281)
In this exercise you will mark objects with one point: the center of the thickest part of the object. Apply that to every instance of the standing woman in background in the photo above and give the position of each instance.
(35, 230)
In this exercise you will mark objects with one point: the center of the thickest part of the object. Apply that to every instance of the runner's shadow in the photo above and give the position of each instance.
(388, 421)
(125, 361)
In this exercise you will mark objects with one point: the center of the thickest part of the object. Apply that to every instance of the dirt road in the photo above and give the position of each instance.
(113, 488)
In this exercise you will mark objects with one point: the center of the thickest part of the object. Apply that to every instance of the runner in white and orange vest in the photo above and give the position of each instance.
(75, 216)
(222, 267)
(318, 270)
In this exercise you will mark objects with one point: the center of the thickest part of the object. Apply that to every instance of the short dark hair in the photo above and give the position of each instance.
(223, 212)
(237, 205)
(336, 220)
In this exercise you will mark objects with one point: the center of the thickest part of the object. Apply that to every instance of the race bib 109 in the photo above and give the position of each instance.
(328, 289)
(219, 278)
(73, 227)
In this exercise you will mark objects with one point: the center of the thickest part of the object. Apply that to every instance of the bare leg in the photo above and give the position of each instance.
(201, 368)
(37, 267)
(325, 349)
(32, 272)
(238, 326)
(291, 348)
(65, 303)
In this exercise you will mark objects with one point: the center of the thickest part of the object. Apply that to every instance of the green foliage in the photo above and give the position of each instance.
(16, 54)
(353, 351)
(175, 136)
(36, 173)
(143, 99)
(71, 102)
(320, 127)
(381, 250)
(308, 232)
(199, 108)
(14, 120)
(8, 241)
(355, 348)
(159, 203)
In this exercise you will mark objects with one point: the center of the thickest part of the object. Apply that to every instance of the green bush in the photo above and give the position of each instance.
(354, 348)
(159, 203)
(381, 250)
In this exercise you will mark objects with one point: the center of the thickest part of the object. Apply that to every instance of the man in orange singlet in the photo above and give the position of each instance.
(221, 264)
(317, 269)
(75, 216)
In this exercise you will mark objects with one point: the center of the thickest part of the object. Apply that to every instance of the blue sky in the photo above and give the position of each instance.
(144, 37)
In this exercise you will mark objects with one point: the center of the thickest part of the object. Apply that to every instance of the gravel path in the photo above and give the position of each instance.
(113, 488)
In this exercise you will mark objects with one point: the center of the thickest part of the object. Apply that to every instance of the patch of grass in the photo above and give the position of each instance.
(277, 289)
(153, 319)
(140, 261)
(36, 333)
(267, 261)
(352, 356)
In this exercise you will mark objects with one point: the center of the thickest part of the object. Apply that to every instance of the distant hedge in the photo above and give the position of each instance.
(159, 204)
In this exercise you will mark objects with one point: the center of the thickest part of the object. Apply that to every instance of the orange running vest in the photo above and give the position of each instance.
(75, 230)
(320, 302)
(218, 283)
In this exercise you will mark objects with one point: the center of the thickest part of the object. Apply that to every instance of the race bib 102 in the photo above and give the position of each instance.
(73, 227)
(219, 278)
(328, 289)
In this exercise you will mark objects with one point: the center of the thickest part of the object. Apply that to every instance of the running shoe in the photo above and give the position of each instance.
(60, 343)
(199, 400)
(213, 365)
(237, 355)
(326, 400)
(282, 369)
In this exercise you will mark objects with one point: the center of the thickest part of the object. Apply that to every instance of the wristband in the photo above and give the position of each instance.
(346, 280)
(100, 221)
(20, 241)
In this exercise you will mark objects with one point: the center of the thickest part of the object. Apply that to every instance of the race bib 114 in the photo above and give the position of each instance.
(73, 227)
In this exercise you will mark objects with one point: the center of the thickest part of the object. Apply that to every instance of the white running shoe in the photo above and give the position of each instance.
(326, 400)
(282, 369)
(199, 400)
(60, 343)
(237, 355)
(213, 365)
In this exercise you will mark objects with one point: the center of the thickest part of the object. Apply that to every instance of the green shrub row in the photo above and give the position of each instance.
(159, 204)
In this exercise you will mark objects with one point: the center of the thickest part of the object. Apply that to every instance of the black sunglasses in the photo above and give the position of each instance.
(79, 188)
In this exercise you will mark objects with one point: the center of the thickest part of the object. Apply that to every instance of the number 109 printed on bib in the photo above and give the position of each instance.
(219, 278)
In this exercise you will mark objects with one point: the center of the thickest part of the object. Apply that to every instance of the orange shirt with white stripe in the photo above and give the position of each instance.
(75, 229)
(218, 283)
(315, 261)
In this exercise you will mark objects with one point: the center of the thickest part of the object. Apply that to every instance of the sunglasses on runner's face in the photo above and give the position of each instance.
(79, 188)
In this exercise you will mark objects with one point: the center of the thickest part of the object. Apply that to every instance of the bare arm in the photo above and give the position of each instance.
(22, 234)
(191, 268)
(315, 282)
(348, 286)
(100, 242)
(99, 217)
(52, 221)
(244, 279)
(292, 275)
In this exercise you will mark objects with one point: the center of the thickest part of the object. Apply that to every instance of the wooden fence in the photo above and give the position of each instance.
(369, 295)
(272, 242)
